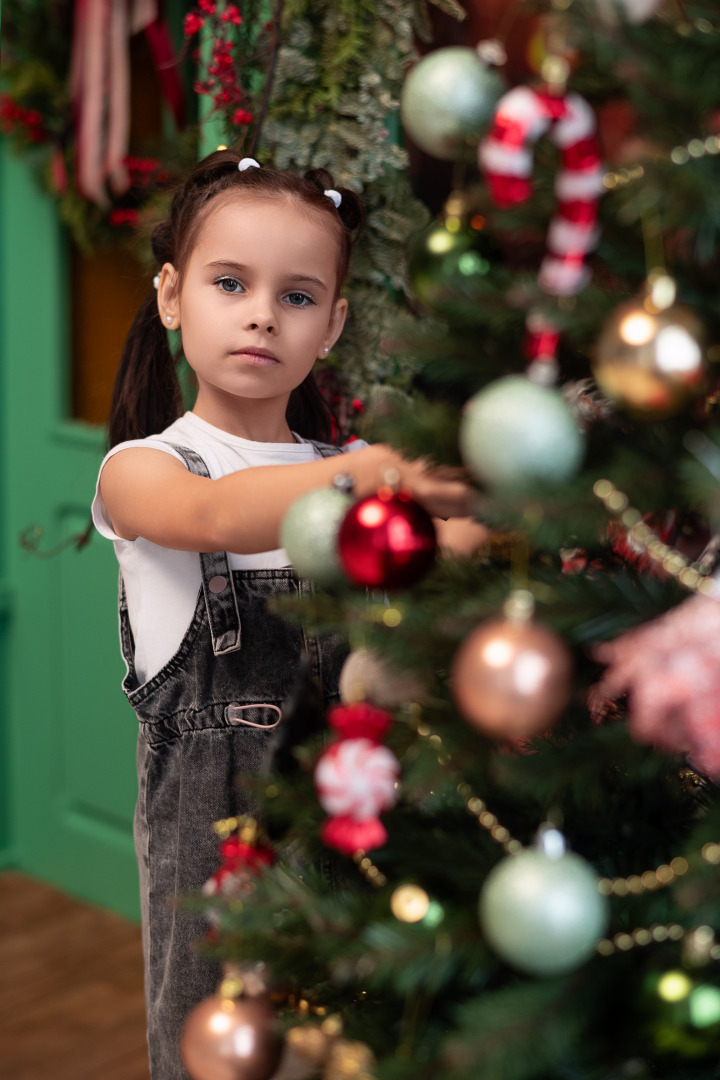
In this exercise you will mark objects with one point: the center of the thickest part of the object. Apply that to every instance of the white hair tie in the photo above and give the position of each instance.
(335, 196)
(248, 163)
(156, 281)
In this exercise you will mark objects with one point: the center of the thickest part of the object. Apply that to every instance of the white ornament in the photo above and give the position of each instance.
(541, 911)
(309, 533)
(366, 676)
(447, 101)
(515, 433)
(358, 779)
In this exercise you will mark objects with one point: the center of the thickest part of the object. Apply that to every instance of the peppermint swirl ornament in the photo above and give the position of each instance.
(358, 779)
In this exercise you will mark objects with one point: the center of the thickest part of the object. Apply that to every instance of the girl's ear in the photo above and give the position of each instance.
(167, 297)
(335, 326)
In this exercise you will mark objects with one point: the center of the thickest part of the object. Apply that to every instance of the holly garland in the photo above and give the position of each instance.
(235, 48)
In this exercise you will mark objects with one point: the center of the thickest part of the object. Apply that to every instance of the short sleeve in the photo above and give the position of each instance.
(100, 516)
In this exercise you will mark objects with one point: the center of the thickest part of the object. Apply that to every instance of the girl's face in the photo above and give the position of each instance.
(256, 306)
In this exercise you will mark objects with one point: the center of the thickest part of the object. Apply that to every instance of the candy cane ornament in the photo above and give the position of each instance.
(523, 116)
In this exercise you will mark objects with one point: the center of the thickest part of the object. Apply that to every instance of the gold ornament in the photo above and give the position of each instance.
(309, 1041)
(323, 1045)
(349, 1061)
(650, 357)
(409, 903)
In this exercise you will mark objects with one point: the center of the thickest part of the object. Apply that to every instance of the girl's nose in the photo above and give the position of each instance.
(261, 315)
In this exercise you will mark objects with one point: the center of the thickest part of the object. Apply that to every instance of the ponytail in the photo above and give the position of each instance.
(147, 395)
(309, 414)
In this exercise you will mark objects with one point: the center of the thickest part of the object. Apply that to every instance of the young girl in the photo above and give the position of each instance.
(252, 265)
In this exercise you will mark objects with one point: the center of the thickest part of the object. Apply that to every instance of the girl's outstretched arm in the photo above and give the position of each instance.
(151, 494)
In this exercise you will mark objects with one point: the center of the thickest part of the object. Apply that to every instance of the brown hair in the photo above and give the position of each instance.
(147, 395)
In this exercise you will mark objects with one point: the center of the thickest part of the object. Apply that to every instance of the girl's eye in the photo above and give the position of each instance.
(229, 285)
(298, 299)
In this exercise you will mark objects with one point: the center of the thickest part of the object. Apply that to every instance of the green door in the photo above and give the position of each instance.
(67, 737)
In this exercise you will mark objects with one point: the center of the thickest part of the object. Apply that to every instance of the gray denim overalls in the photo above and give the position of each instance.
(235, 653)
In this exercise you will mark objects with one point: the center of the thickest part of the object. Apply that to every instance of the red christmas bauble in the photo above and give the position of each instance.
(387, 540)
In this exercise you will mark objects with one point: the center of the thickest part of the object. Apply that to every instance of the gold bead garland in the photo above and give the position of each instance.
(635, 884)
(368, 869)
(679, 155)
(644, 539)
(623, 941)
(648, 881)
(488, 821)
(699, 945)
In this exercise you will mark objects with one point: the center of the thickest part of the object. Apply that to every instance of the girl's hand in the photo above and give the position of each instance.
(150, 493)
(444, 491)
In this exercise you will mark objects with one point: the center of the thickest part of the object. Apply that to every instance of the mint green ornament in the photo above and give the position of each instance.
(541, 912)
(515, 434)
(309, 535)
(448, 100)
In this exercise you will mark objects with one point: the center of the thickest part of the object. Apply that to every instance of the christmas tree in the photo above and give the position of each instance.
(498, 858)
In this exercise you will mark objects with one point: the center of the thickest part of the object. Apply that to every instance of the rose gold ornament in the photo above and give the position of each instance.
(511, 678)
(231, 1039)
(649, 361)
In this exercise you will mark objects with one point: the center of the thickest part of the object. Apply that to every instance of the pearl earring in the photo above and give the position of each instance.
(326, 350)
(168, 318)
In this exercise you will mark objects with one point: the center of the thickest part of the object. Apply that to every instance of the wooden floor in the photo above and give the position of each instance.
(71, 998)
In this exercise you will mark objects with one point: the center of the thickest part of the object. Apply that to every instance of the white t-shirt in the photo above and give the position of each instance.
(162, 585)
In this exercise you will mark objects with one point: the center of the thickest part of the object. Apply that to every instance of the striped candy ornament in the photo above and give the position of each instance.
(505, 156)
(357, 779)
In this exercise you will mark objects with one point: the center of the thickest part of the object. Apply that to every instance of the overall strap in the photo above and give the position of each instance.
(325, 449)
(217, 580)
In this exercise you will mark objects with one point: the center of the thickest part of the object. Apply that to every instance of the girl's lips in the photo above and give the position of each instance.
(259, 357)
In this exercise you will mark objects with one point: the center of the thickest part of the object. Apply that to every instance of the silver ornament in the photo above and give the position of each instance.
(309, 534)
(515, 433)
(448, 100)
(542, 913)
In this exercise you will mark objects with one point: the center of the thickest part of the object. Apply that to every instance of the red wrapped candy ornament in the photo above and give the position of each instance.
(387, 540)
(357, 779)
